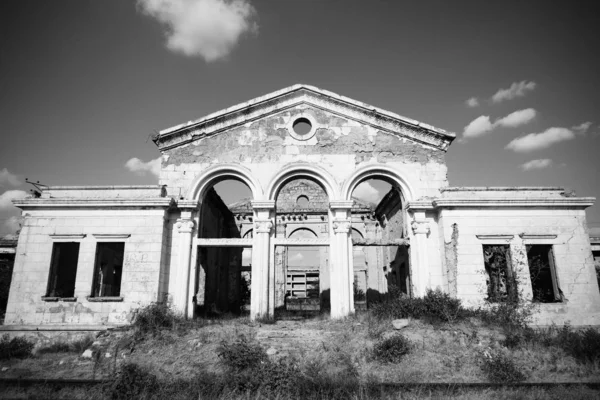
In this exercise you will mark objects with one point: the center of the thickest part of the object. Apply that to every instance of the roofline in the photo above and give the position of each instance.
(500, 188)
(190, 125)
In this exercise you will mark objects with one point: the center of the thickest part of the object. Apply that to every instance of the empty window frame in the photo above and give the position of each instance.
(108, 269)
(501, 282)
(63, 269)
(543, 274)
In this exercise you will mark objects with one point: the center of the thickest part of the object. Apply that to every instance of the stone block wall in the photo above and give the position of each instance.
(142, 231)
(339, 145)
(465, 231)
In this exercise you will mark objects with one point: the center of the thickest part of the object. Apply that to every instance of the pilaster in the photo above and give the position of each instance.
(263, 273)
(182, 301)
(420, 270)
(342, 301)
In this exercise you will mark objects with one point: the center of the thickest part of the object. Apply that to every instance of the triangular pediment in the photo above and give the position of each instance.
(303, 95)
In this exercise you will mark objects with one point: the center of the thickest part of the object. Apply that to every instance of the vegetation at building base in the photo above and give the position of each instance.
(164, 356)
(17, 347)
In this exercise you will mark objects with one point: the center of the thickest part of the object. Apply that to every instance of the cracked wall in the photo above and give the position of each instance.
(339, 145)
(451, 261)
(563, 229)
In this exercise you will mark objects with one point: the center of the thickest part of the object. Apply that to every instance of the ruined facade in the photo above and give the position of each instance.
(78, 243)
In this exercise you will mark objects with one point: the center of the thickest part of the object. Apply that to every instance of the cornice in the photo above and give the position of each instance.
(293, 96)
(567, 202)
(24, 204)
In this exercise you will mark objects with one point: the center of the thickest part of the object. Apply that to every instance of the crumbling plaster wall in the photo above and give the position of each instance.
(142, 273)
(571, 249)
(339, 145)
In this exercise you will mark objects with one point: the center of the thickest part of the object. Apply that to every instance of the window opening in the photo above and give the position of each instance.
(302, 126)
(501, 282)
(543, 274)
(63, 269)
(108, 269)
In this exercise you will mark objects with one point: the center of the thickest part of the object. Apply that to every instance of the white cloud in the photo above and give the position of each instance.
(478, 127)
(206, 28)
(516, 118)
(7, 177)
(472, 102)
(536, 164)
(483, 125)
(13, 224)
(7, 197)
(537, 141)
(367, 192)
(582, 128)
(141, 168)
(517, 89)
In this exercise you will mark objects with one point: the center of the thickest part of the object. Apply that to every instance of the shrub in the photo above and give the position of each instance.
(241, 354)
(153, 318)
(279, 377)
(400, 307)
(436, 305)
(391, 349)
(17, 347)
(584, 345)
(440, 305)
(133, 382)
(498, 367)
(509, 314)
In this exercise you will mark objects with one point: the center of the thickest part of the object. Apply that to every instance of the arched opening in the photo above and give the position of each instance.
(302, 253)
(381, 257)
(225, 248)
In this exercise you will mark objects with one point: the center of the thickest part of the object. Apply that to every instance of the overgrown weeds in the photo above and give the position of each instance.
(434, 306)
(499, 367)
(152, 319)
(76, 346)
(582, 345)
(391, 349)
(241, 354)
(17, 347)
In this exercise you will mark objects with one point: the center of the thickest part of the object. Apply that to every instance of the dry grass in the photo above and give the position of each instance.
(324, 349)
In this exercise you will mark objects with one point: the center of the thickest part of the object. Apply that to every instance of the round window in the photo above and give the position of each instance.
(302, 126)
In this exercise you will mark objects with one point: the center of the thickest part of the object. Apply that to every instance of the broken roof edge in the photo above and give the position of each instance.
(290, 89)
(500, 188)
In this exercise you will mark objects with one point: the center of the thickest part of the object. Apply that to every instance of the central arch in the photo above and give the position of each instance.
(297, 171)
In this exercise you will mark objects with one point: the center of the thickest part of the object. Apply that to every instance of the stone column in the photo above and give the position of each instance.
(374, 267)
(182, 299)
(262, 287)
(420, 269)
(341, 277)
(280, 266)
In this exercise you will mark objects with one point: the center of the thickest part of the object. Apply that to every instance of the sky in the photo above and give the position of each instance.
(85, 83)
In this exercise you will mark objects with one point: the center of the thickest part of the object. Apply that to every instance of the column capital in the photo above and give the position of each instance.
(342, 226)
(263, 225)
(185, 225)
(420, 227)
(188, 205)
(263, 204)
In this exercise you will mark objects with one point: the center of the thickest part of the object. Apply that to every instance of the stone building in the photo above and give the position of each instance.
(92, 255)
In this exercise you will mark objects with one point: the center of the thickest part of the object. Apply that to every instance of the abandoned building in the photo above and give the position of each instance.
(92, 255)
